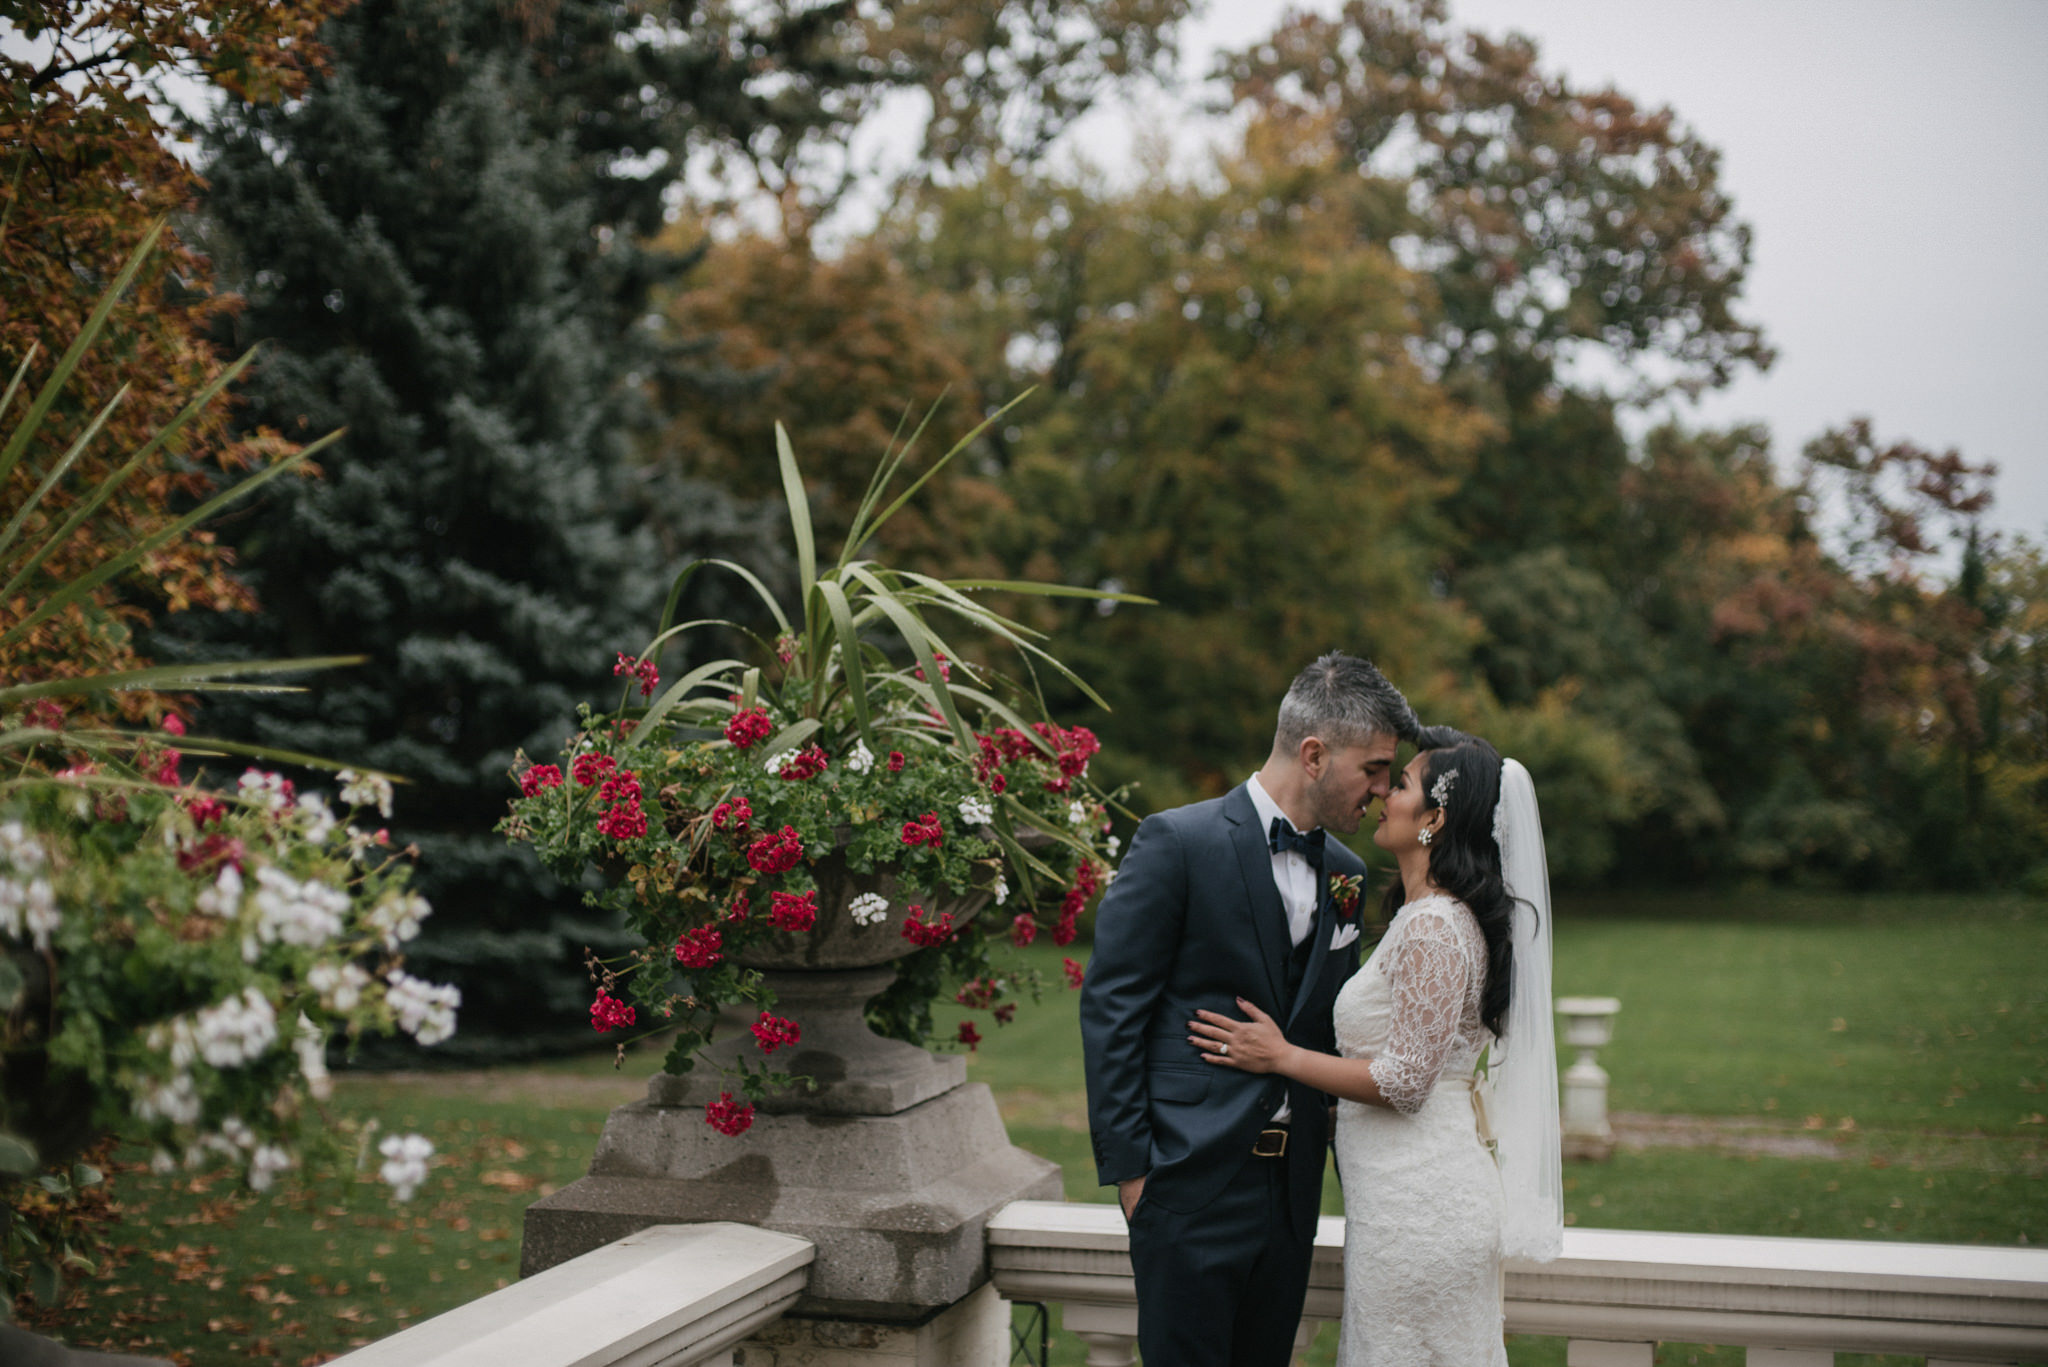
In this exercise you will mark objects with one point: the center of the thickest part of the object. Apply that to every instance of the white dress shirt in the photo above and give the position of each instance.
(1293, 875)
(1295, 878)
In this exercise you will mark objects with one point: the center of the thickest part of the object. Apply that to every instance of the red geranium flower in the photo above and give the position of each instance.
(925, 830)
(727, 1116)
(643, 670)
(608, 1013)
(788, 911)
(748, 727)
(1075, 972)
(923, 935)
(772, 1032)
(776, 853)
(733, 815)
(589, 770)
(895, 761)
(700, 948)
(623, 823)
(1023, 930)
(969, 1036)
(537, 777)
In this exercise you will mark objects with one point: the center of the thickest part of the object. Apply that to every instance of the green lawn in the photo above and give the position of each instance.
(1729, 1009)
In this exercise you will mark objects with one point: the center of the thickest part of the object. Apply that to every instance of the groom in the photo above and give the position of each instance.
(1220, 1173)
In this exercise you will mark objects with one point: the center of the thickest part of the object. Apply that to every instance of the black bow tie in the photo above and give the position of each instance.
(1282, 837)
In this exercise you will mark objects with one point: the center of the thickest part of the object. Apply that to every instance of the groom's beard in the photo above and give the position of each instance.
(1334, 812)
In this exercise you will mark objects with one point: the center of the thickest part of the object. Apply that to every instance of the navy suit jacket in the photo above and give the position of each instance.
(1194, 921)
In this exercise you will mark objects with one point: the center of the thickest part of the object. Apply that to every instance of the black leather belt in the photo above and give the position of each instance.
(1271, 1143)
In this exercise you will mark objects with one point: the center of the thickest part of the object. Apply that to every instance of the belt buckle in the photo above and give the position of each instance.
(1277, 1135)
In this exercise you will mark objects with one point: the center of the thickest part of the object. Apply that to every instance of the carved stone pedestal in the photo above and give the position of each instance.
(891, 1167)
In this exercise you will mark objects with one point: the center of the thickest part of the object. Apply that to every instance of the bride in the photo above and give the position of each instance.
(1446, 1075)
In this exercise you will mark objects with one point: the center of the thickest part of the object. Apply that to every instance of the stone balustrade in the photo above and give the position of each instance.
(680, 1295)
(1615, 1293)
(665, 1296)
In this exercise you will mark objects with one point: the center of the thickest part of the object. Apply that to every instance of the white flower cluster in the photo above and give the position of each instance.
(397, 917)
(977, 811)
(870, 908)
(307, 914)
(310, 1044)
(176, 1101)
(265, 790)
(28, 904)
(366, 790)
(425, 1010)
(266, 1162)
(1077, 813)
(775, 762)
(231, 1033)
(861, 760)
(1002, 890)
(1112, 845)
(317, 820)
(340, 986)
(405, 1163)
(224, 898)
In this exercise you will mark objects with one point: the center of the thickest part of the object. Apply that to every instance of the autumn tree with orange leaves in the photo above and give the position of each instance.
(88, 171)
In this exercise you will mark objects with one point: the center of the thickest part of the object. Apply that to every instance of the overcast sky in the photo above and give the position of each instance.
(1892, 158)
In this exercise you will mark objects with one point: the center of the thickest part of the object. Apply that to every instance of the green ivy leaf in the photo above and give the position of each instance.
(17, 1155)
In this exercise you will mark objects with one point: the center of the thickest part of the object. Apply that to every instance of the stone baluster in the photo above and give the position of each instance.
(1110, 1331)
(1589, 1025)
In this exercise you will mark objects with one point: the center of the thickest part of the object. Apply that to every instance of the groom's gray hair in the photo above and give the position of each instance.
(1344, 701)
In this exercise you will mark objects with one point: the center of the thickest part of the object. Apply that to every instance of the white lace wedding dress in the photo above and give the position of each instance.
(1422, 1198)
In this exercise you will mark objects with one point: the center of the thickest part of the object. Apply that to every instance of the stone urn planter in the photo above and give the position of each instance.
(737, 818)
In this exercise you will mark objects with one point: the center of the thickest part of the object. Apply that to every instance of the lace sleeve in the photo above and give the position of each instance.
(1427, 974)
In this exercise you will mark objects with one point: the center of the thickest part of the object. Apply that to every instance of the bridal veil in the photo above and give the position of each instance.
(1523, 1069)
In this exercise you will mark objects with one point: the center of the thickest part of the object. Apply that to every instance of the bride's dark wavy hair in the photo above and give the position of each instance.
(1464, 859)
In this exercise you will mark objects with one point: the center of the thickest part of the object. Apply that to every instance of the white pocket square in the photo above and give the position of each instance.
(1344, 936)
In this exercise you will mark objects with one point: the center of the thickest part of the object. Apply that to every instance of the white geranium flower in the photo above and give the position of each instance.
(397, 917)
(267, 790)
(774, 762)
(176, 1101)
(405, 1163)
(310, 1044)
(366, 790)
(1113, 845)
(233, 1032)
(340, 985)
(266, 1163)
(319, 819)
(224, 898)
(1002, 890)
(861, 760)
(1077, 812)
(868, 909)
(425, 1010)
(307, 914)
(19, 848)
(977, 811)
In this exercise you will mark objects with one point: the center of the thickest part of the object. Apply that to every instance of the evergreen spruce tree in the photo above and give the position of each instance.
(439, 250)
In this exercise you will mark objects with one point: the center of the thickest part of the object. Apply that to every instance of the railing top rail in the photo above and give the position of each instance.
(1651, 1255)
(678, 1286)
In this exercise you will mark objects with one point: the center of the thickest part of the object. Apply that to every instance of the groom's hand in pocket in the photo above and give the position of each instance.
(1128, 1193)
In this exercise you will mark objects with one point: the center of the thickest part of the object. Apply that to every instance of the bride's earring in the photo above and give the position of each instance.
(1423, 835)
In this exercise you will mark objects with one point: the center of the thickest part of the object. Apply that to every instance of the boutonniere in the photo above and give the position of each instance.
(1345, 890)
